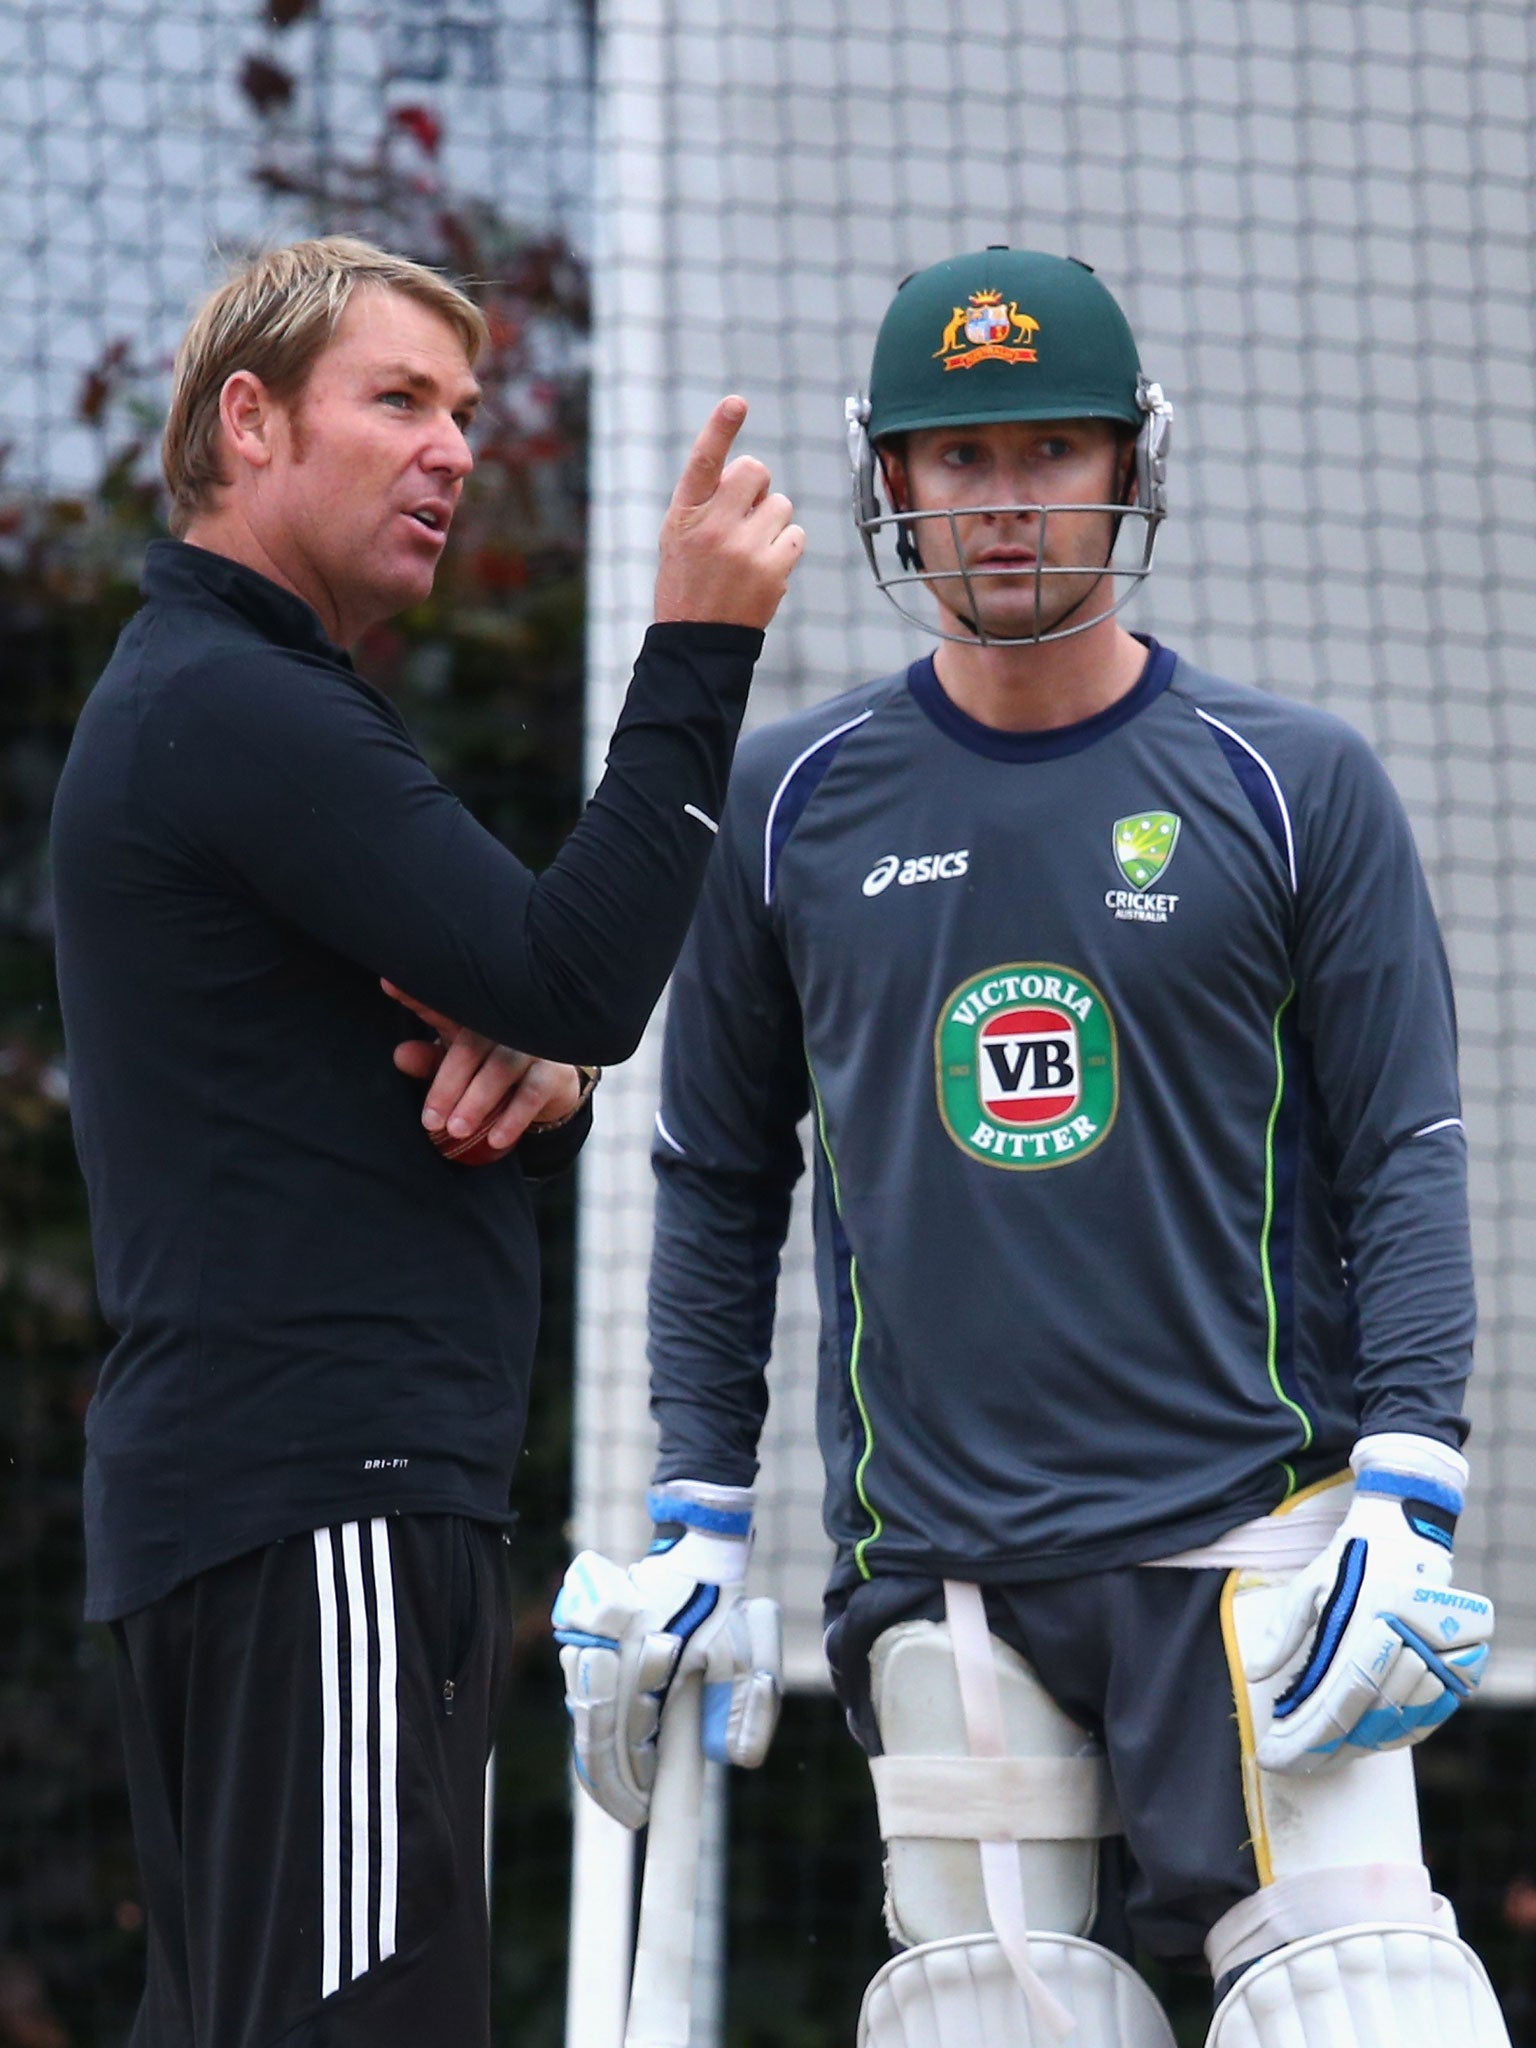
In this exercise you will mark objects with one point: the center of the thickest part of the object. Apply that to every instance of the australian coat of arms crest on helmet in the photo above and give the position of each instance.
(987, 331)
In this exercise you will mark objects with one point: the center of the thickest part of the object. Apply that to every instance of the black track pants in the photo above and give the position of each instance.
(307, 1731)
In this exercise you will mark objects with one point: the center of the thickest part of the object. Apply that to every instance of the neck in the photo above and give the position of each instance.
(1035, 688)
(228, 532)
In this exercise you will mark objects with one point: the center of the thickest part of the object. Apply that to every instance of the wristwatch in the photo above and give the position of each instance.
(590, 1076)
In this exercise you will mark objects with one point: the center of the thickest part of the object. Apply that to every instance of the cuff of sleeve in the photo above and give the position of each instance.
(699, 1504)
(687, 673)
(543, 1154)
(1422, 1457)
(706, 636)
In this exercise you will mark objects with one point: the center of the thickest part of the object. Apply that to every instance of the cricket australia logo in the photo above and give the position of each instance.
(1026, 1065)
(1143, 844)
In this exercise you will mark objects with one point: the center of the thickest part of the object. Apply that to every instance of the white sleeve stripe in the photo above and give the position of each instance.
(1274, 783)
(789, 775)
(667, 1137)
(1446, 1123)
(693, 811)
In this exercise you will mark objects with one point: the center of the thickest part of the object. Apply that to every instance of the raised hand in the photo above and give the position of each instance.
(728, 542)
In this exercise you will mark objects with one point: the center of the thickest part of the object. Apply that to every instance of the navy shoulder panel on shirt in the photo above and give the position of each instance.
(779, 767)
(1293, 761)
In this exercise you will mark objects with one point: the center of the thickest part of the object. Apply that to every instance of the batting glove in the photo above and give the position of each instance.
(1392, 1648)
(626, 1636)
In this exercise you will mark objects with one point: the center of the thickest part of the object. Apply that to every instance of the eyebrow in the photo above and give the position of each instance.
(421, 380)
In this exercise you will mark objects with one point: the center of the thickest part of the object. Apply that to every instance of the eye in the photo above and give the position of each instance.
(401, 400)
(1057, 448)
(962, 455)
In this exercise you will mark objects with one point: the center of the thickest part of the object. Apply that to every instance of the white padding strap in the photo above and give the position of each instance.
(995, 1799)
(1319, 1901)
(1282, 1542)
(981, 1702)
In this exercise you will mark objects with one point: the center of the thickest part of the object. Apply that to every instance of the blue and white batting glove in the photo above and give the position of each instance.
(626, 1636)
(1392, 1648)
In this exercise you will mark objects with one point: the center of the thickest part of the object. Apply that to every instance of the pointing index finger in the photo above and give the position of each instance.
(701, 473)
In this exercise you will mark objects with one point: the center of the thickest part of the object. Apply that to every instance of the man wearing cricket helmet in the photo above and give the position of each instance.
(1115, 996)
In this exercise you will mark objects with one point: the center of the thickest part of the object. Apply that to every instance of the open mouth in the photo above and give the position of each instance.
(434, 521)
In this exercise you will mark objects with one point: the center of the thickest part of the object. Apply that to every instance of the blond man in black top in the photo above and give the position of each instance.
(300, 1452)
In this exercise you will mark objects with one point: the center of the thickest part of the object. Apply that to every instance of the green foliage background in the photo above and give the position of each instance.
(488, 674)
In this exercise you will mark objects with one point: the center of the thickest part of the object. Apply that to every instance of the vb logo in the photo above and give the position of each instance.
(1026, 1066)
(1029, 1065)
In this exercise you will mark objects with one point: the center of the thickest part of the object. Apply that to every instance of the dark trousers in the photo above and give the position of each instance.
(1137, 1658)
(307, 1729)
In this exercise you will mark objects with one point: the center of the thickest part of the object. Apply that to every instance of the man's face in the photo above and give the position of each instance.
(368, 464)
(1013, 462)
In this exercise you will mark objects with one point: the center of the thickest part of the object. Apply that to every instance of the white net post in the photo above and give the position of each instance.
(631, 482)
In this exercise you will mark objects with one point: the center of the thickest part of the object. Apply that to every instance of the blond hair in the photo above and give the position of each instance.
(272, 317)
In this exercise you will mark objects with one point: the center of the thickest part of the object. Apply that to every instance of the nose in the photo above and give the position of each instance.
(1017, 506)
(1022, 486)
(449, 454)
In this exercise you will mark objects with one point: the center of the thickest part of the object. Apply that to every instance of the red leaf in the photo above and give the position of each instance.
(266, 85)
(422, 123)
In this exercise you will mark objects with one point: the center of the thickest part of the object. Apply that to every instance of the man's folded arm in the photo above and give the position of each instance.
(309, 790)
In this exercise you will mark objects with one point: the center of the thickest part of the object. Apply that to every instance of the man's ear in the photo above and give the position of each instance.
(248, 415)
(1125, 464)
(894, 470)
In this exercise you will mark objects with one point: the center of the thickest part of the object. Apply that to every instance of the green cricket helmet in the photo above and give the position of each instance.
(1006, 334)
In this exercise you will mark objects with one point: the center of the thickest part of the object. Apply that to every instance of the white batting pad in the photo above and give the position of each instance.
(1365, 1812)
(1363, 1987)
(964, 1994)
(1050, 1795)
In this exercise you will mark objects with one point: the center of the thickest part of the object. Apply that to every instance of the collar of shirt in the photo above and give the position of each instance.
(175, 572)
(997, 745)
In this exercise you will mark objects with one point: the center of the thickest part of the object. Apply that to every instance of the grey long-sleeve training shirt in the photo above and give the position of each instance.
(1140, 1175)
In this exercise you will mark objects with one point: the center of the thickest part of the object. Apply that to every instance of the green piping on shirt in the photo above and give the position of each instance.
(1273, 1337)
(877, 1527)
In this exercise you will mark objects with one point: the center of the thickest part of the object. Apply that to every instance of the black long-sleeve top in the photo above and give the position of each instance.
(317, 1316)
